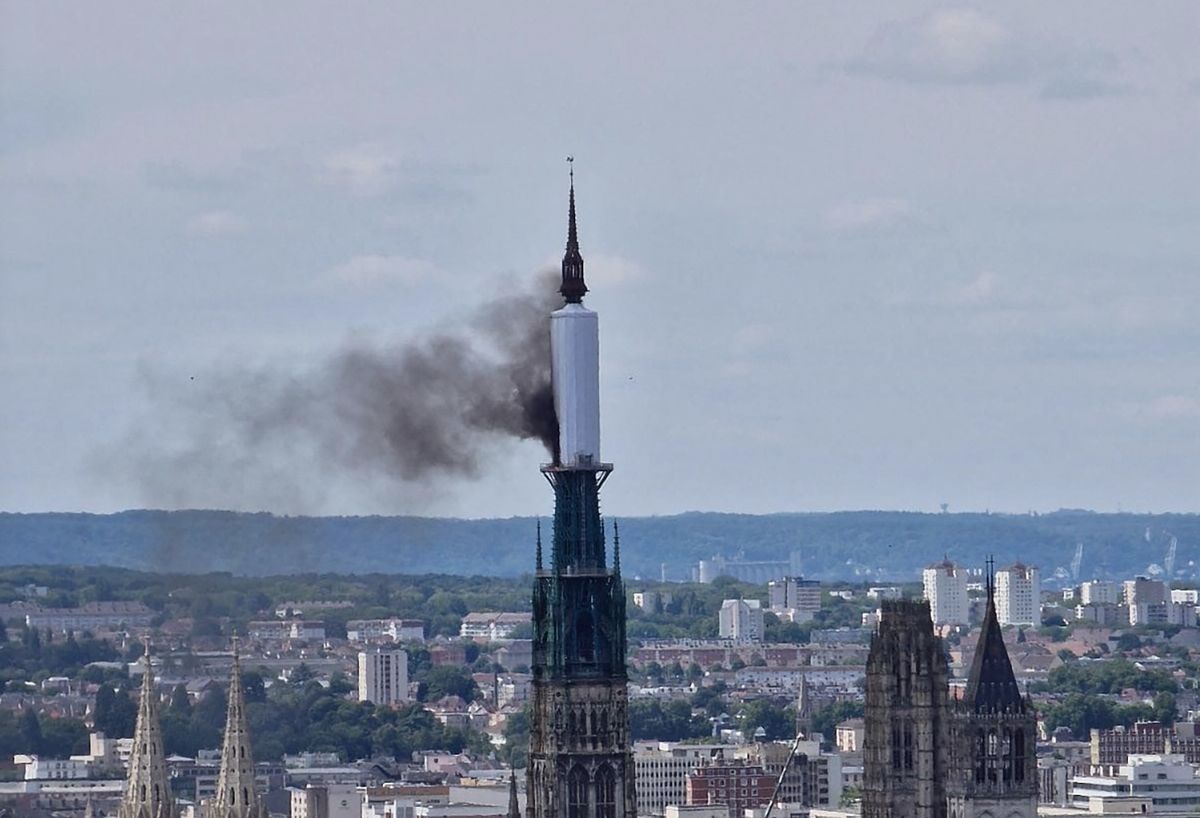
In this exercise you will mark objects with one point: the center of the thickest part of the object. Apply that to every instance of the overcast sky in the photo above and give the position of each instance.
(842, 260)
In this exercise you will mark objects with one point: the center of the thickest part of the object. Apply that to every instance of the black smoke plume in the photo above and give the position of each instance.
(416, 412)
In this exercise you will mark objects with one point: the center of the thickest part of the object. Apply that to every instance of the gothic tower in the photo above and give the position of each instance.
(994, 734)
(235, 796)
(905, 750)
(147, 789)
(580, 762)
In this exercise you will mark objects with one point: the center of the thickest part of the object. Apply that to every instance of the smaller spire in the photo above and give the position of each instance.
(514, 809)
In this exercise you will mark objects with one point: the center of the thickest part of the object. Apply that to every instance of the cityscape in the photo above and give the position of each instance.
(293, 546)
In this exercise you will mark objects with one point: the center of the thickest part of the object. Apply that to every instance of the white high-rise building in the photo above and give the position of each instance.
(741, 619)
(1018, 595)
(946, 591)
(1100, 592)
(383, 676)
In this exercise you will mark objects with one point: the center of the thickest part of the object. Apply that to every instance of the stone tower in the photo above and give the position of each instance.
(235, 796)
(905, 747)
(147, 789)
(994, 734)
(580, 760)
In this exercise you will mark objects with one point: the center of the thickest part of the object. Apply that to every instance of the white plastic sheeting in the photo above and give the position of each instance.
(575, 355)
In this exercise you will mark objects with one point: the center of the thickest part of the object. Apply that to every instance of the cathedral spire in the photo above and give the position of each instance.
(235, 796)
(147, 790)
(573, 288)
(991, 685)
(514, 808)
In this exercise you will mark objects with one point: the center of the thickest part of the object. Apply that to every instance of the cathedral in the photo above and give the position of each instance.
(928, 756)
(580, 760)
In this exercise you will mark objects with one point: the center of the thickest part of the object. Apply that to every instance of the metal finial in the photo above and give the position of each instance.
(571, 169)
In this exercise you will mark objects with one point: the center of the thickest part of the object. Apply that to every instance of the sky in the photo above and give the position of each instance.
(845, 256)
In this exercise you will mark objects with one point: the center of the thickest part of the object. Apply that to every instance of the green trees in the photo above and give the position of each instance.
(672, 721)
(115, 713)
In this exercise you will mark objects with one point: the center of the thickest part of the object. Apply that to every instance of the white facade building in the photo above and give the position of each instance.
(383, 676)
(946, 591)
(741, 620)
(1185, 595)
(1018, 595)
(1158, 784)
(1099, 592)
(661, 770)
(493, 626)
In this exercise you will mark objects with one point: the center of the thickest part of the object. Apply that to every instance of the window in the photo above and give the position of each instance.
(577, 793)
(606, 793)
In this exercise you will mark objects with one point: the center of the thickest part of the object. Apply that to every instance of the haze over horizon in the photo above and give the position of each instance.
(841, 260)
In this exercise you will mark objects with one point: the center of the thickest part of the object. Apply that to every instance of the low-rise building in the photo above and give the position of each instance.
(1159, 784)
(492, 626)
(661, 772)
(379, 630)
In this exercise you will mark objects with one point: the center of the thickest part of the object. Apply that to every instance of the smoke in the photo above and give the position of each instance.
(413, 413)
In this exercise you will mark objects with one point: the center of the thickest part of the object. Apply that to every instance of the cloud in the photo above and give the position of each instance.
(364, 170)
(867, 214)
(964, 46)
(372, 270)
(215, 223)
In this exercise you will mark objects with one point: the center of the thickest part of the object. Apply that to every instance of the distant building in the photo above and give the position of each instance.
(945, 585)
(884, 592)
(493, 626)
(794, 598)
(652, 601)
(91, 616)
(849, 735)
(1143, 591)
(1099, 592)
(662, 770)
(1018, 595)
(1189, 596)
(1158, 784)
(741, 620)
(755, 572)
(383, 676)
(279, 630)
(1101, 614)
(813, 779)
(736, 784)
(375, 630)
(1113, 747)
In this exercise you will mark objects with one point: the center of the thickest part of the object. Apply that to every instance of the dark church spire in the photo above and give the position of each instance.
(992, 686)
(573, 288)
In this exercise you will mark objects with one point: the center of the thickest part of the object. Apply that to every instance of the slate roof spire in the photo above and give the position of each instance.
(992, 686)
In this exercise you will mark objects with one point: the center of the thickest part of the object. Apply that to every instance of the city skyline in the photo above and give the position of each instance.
(940, 256)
